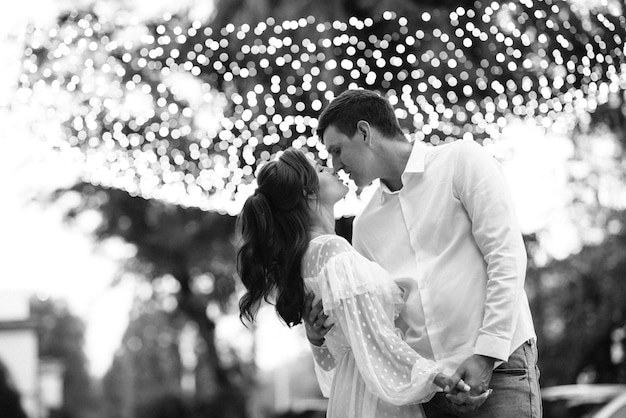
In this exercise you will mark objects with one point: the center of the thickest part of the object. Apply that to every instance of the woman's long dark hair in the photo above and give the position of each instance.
(274, 228)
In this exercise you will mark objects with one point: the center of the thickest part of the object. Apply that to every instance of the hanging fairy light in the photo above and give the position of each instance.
(180, 111)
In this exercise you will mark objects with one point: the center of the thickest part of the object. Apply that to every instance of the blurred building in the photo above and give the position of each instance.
(38, 383)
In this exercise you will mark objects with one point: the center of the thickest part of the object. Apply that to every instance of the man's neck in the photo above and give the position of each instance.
(396, 159)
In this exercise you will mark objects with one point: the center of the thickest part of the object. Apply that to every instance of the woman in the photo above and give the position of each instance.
(288, 249)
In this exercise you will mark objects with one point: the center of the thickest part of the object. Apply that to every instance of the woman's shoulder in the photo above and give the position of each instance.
(322, 249)
(331, 243)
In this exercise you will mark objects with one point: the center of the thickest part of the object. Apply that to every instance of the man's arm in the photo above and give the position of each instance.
(481, 187)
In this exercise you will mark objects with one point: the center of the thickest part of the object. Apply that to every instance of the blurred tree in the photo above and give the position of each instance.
(115, 389)
(146, 379)
(146, 367)
(61, 337)
(191, 249)
(578, 306)
(577, 301)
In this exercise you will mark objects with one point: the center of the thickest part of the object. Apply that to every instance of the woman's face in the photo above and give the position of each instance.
(332, 190)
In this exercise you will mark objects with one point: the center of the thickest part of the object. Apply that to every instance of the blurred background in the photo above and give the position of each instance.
(131, 131)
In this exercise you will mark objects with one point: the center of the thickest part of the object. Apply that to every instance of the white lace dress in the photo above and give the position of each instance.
(364, 367)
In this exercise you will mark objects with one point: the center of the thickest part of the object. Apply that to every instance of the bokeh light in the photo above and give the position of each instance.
(177, 110)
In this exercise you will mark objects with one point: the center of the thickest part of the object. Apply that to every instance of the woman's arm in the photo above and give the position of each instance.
(391, 369)
(361, 297)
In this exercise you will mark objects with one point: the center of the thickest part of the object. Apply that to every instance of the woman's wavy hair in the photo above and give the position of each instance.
(274, 229)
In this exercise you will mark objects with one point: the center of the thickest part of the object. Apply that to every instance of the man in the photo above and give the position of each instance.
(443, 224)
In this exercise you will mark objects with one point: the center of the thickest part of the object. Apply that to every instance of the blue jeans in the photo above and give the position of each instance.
(515, 385)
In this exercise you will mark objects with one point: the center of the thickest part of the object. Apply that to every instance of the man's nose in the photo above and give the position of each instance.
(336, 165)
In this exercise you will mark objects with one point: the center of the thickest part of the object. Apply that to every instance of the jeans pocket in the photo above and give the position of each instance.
(516, 372)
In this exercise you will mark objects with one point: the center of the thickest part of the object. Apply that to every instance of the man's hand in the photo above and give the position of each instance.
(472, 388)
(315, 321)
(458, 393)
(464, 403)
(476, 371)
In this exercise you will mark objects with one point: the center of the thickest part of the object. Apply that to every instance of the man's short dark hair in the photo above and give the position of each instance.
(352, 106)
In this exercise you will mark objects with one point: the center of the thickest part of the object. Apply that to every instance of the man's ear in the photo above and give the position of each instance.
(364, 131)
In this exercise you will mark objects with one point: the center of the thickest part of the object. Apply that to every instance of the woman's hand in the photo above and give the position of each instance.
(451, 384)
(315, 321)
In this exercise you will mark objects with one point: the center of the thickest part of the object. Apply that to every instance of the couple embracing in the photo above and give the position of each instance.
(425, 314)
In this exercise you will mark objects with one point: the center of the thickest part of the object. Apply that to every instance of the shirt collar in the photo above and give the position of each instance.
(414, 165)
(416, 159)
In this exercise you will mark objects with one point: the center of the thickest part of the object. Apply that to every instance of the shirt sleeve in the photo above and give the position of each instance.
(359, 295)
(481, 187)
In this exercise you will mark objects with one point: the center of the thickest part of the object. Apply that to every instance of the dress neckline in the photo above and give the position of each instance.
(323, 236)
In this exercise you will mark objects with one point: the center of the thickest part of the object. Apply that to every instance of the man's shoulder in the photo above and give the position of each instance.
(448, 155)
(459, 145)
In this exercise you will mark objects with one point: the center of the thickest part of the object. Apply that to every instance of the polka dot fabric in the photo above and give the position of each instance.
(364, 366)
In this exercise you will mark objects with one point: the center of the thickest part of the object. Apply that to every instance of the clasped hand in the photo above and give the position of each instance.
(472, 389)
(316, 322)
(459, 394)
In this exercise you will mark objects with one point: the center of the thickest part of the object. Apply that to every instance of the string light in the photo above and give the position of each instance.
(184, 112)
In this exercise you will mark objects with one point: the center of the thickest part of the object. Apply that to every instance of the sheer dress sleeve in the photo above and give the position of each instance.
(325, 364)
(323, 357)
(364, 301)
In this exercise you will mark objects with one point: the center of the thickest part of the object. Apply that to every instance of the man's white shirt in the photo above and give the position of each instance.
(450, 239)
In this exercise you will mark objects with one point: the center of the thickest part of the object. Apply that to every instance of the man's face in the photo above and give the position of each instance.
(352, 155)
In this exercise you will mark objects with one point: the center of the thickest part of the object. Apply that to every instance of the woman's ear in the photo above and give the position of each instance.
(310, 197)
(312, 202)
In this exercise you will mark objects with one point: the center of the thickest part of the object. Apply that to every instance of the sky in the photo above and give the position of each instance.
(42, 255)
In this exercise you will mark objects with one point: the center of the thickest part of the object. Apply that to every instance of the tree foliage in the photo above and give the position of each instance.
(580, 315)
(194, 248)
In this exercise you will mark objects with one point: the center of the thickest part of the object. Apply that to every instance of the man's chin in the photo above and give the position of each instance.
(361, 184)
